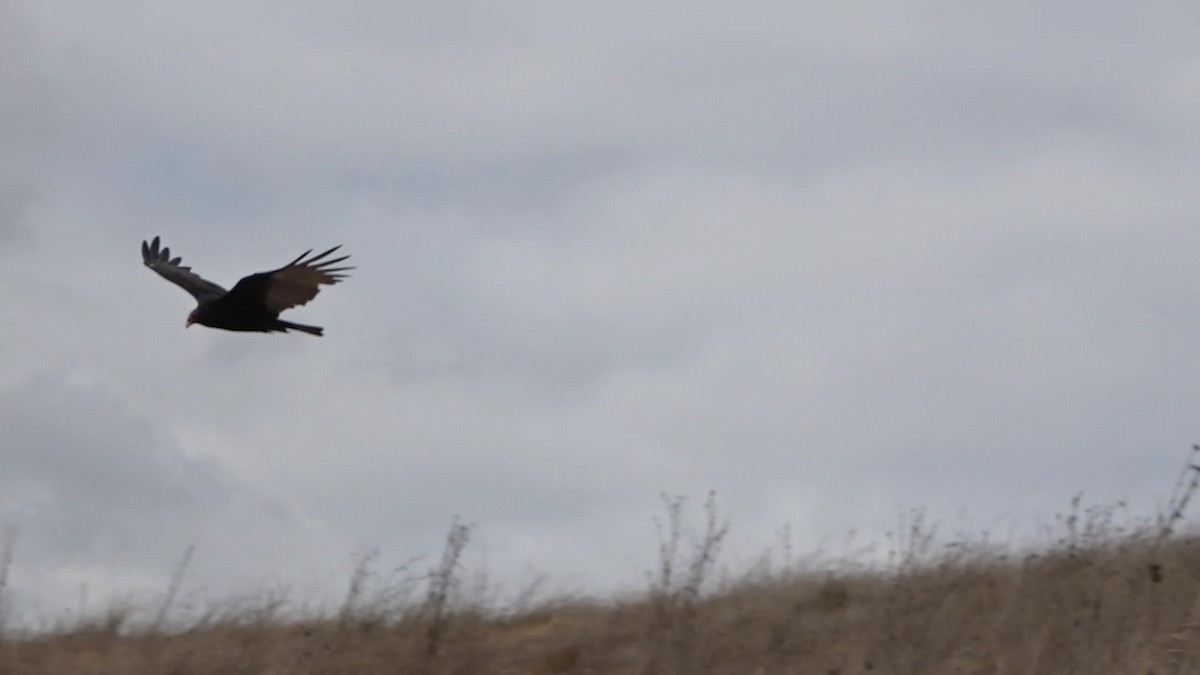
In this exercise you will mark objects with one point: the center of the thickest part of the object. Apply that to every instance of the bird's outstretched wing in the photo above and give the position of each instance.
(293, 284)
(160, 261)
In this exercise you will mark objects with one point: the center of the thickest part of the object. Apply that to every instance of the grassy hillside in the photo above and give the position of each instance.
(1098, 599)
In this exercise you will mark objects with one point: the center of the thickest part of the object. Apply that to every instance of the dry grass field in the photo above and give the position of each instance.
(1097, 597)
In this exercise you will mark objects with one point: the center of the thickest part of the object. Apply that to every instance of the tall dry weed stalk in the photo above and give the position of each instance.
(1186, 484)
(675, 599)
(442, 581)
(173, 588)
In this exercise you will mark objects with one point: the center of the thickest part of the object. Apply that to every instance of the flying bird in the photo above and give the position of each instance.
(254, 303)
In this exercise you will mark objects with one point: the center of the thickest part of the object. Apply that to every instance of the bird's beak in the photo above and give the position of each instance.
(190, 320)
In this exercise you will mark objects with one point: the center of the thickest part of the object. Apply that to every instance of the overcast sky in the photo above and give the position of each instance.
(830, 260)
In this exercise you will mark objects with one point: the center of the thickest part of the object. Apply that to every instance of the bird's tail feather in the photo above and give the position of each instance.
(311, 330)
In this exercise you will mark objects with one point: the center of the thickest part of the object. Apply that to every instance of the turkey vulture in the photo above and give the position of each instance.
(255, 302)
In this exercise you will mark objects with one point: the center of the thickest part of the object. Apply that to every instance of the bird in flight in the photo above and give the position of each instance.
(254, 303)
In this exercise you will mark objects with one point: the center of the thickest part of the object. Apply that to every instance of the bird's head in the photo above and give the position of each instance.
(192, 318)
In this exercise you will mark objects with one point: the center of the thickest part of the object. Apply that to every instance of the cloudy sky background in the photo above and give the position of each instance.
(830, 261)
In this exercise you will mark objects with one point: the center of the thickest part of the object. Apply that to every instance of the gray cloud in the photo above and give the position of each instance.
(25, 116)
(97, 495)
(826, 263)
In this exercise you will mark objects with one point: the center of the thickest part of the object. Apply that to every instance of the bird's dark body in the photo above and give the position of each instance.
(237, 310)
(254, 303)
(221, 313)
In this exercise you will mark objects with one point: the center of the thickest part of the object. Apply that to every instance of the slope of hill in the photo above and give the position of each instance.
(1098, 599)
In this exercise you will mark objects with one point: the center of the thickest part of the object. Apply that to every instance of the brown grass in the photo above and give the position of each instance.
(1099, 598)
